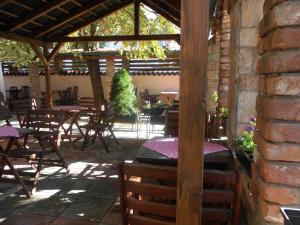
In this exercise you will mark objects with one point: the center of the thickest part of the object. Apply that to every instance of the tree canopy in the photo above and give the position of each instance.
(118, 23)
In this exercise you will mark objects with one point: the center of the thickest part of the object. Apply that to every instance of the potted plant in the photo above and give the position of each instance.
(245, 145)
(122, 93)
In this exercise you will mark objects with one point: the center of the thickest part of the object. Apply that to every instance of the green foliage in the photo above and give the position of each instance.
(215, 97)
(122, 93)
(122, 23)
(224, 113)
(18, 52)
(245, 141)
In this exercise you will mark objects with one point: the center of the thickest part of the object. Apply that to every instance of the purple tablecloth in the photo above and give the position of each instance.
(8, 132)
(169, 147)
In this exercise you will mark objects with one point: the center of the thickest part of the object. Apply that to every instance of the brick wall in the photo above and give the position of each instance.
(224, 59)
(245, 18)
(213, 72)
(277, 160)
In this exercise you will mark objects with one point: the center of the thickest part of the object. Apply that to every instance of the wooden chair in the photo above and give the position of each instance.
(99, 124)
(75, 95)
(88, 102)
(171, 123)
(49, 130)
(152, 199)
(22, 108)
(25, 92)
(5, 113)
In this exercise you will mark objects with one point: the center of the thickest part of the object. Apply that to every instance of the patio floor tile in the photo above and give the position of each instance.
(68, 221)
(88, 209)
(28, 219)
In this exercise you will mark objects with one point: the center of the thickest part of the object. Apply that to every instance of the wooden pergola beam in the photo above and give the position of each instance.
(81, 11)
(45, 56)
(16, 37)
(100, 16)
(164, 13)
(38, 13)
(137, 17)
(192, 112)
(157, 37)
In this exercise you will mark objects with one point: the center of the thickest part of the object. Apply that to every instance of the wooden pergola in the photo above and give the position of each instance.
(46, 25)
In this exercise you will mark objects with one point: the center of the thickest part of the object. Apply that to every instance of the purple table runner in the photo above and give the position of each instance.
(8, 132)
(169, 147)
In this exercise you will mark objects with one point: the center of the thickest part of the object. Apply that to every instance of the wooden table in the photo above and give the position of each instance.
(148, 154)
(12, 135)
(167, 97)
(73, 112)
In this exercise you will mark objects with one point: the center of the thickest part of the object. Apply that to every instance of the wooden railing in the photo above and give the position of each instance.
(65, 67)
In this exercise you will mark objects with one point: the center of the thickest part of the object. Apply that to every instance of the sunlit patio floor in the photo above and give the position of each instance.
(88, 195)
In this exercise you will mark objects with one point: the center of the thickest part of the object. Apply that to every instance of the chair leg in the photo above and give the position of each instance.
(85, 140)
(61, 158)
(37, 173)
(103, 142)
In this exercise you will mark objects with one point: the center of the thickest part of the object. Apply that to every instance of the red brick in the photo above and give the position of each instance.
(277, 194)
(285, 85)
(285, 14)
(269, 4)
(278, 151)
(279, 131)
(279, 62)
(286, 38)
(283, 173)
(276, 107)
(270, 212)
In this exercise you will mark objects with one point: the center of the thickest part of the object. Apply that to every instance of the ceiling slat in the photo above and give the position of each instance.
(100, 16)
(81, 11)
(38, 13)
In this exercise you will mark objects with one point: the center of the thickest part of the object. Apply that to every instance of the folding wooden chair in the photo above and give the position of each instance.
(22, 108)
(49, 130)
(100, 124)
(151, 199)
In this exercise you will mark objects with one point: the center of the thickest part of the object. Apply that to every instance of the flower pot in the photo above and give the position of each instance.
(245, 159)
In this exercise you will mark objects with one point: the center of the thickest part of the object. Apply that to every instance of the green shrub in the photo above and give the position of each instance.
(122, 93)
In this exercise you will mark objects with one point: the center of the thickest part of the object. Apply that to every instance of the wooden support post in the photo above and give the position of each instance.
(137, 17)
(94, 71)
(49, 99)
(46, 58)
(194, 46)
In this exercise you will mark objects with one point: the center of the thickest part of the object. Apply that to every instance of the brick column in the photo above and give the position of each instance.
(224, 60)
(110, 71)
(34, 79)
(277, 160)
(245, 18)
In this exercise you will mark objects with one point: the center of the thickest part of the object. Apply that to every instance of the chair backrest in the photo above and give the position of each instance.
(13, 92)
(25, 92)
(46, 119)
(143, 204)
(171, 124)
(88, 102)
(152, 198)
(75, 95)
(22, 108)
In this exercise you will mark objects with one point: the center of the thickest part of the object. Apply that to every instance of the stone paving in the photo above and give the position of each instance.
(86, 196)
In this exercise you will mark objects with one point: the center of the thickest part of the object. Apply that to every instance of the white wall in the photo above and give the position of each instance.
(155, 84)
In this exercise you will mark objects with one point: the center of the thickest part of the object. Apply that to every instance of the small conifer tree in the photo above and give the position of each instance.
(122, 93)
